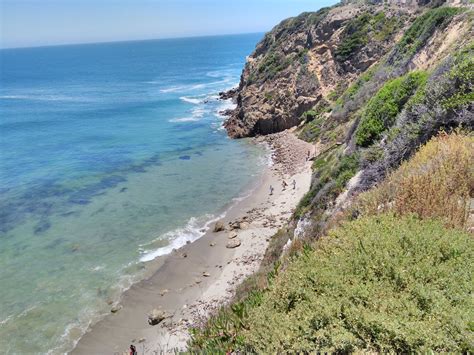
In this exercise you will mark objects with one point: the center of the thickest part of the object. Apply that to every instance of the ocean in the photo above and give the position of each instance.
(110, 155)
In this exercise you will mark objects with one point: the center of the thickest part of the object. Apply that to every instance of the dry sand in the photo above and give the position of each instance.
(200, 277)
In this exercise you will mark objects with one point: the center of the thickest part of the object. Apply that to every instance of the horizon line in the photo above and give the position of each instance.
(132, 40)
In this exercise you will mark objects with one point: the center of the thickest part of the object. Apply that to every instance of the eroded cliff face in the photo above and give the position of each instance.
(367, 84)
(308, 59)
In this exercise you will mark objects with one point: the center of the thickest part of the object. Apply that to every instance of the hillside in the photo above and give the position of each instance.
(367, 84)
(377, 255)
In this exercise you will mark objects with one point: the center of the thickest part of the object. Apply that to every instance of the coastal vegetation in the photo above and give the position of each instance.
(380, 248)
(422, 29)
(397, 278)
(382, 109)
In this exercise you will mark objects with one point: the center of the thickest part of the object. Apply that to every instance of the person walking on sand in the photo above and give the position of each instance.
(309, 154)
(271, 190)
(284, 185)
(294, 184)
(133, 350)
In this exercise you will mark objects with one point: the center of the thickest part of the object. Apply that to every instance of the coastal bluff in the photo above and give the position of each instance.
(307, 61)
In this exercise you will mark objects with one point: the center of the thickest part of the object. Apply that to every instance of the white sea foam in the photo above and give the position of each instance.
(188, 88)
(184, 119)
(191, 100)
(5, 321)
(179, 237)
(196, 115)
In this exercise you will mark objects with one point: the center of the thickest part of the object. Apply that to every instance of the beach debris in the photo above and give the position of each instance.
(232, 235)
(212, 244)
(156, 316)
(141, 340)
(206, 274)
(116, 308)
(233, 243)
(198, 281)
(184, 255)
(219, 226)
(164, 292)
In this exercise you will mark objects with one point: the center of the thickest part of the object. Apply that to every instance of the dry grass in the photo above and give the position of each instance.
(436, 183)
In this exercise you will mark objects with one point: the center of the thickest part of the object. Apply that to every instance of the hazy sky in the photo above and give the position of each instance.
(45, 22)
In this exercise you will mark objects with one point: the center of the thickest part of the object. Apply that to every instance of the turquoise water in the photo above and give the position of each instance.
(110, 155)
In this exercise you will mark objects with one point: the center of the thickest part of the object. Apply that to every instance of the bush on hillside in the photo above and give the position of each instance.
(421, 30)
(443, 104)
(376, 284)
(383, 108)
(436, 183)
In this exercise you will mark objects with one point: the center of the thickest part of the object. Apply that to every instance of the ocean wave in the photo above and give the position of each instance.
(196, 115)
(187, 88)
(191, 100)
(184, 119)
(193, 230)
(6, 320)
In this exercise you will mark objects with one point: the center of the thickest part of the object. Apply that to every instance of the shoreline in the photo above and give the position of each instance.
(198, 278)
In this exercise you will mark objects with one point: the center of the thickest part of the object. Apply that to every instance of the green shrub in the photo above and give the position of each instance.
(346, 169)
(309, 115)
(383, 108)
(354, 37)
(363, 28)
(379, 284)
(422, 29)
(352, 90)
(462, 75)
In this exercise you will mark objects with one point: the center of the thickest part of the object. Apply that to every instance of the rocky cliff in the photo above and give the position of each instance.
(366, 83)
(385, 92)
(308, 61)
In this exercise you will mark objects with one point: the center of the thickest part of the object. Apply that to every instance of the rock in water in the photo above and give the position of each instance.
(157, 316)
(219, 226)
(115, 309)
(233, 243)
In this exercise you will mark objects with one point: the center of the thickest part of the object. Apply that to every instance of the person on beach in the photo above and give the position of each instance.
(133, 350)
(309, 154)
(294, 184)
(284, 184)
(271, 190)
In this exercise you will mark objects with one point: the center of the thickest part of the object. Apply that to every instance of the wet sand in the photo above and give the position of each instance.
(200, 277)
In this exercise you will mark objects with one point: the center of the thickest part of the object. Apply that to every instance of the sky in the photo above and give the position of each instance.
(27, 23)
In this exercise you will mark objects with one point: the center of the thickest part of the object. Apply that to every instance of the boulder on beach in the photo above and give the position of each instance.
(219, 226)
(156, 316)
(244, 225)
(232, 235)
(233, 243)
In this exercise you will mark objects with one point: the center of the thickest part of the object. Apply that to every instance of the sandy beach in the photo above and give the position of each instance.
(200, 277)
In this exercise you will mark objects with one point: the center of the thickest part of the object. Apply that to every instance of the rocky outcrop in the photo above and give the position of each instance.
(307, 60)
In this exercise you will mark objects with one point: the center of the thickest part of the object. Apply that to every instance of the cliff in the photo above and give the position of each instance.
(311, 59)
(379, 250)
(366, 83)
